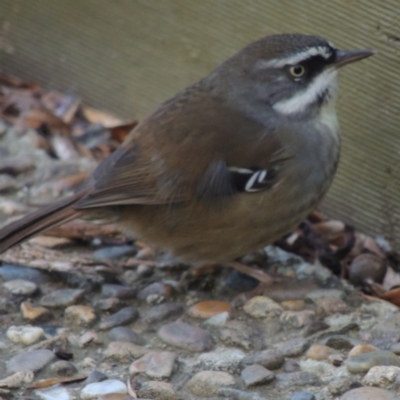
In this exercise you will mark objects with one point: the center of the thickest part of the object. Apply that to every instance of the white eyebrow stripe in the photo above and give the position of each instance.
(322, 51)
(300, 101)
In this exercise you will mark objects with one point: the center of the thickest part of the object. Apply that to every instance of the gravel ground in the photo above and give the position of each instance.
(99, 321)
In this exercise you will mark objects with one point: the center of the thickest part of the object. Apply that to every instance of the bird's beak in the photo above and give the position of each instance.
(344, 57)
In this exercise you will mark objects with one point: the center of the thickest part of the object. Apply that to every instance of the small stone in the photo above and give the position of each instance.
(87, 338)
(330, 305)
(110, 304)
(156, 365)
(341, 342)
(247, 336)
(367, 267)
(361, 349)
(291, 365)
(17, 380)
(54, 393)
(319, 352)
(364, 362)
(21, 287)
(382, 376)
(256, 375)
(163, 311)
(303, 396)
(269, 359)
(235, 394)
(218, 320)
(124, 351)
(108, 386)
(369, 393)
(80, 315)
(95, 376)
(116, 396)
(156, 293)
(62, 298)
(288, 380)
(64, 368)
(124, 316)
(220, 360)
(157, 390)
(262, 307)
(9, 272)
(293, 347)
(34, 360)
(316, 295)
(207, 309)
(207, 383)
(395, 348)
(114, 252)
(340, 384)
(25, 335)
(125, 334)
(34, 313)
(117, 291)
(8, 184)
(293, 305)
(297, 319)
(180, 334)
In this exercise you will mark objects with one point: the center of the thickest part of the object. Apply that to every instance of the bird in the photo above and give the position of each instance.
(226, 166)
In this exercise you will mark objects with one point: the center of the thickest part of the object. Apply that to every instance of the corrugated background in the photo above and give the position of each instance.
(129, 55)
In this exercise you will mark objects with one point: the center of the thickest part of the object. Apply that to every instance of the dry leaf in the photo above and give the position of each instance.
(100, 117)
(44, 383)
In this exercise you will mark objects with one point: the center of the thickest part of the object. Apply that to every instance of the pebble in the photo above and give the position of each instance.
(330, 305)
(155, 293)
(124, 351)
(163, 311)
(111, 304)
(296, 319)
(293, 347)
(290, 365)
(156, 365)
(125, 334)
(87, 338)
(256, 375)
(21, 287)
(369, 393)
(117, 291)
(316, 295)
(80, 315)
(293, 305)
(238, 282)
(25, 335)
(8, 184)
(124, 316)
(207, 383)
(235, 394)
(221, 360)
(183, 335)
(93, 390)
(34, 360)
(218, 320)
(364, 362)
(62, 298)
(262, 307)
(319, 352)
(157, 390)
(17, 380)
(114, 252)
(245, 335)
(208, 309)
(287, 380)
(96, 376)
(116, 396)
(64, 368)
(367, 267)
(54, 393)
(395, 348)
(341, 342)
(361, 349)
(34, 313)
(382, 376)
(303, 396)
(269, 359)
(9, 272)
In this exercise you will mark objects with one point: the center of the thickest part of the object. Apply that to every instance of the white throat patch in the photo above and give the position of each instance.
(324, 82)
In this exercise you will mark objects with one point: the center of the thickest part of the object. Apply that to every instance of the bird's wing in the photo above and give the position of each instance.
(180, 154)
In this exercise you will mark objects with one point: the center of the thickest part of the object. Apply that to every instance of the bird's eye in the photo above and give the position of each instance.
(297, 71)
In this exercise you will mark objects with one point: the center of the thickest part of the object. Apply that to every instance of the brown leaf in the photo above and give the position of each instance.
(100, 117)
(120, 132)
(330, 230)
(38, 117)
(61, 105)
(393, 296)
(17, 101)
(44, 383)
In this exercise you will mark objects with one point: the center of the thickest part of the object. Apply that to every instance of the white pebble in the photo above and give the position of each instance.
(25, 335)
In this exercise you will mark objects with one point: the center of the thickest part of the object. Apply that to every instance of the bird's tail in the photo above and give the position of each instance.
(45, 218)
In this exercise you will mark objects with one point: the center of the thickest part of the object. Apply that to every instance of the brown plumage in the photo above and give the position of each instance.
(219, 170)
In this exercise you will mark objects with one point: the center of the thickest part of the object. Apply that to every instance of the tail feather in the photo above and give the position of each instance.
(45, 218)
